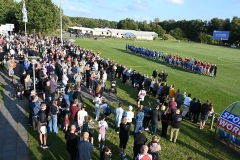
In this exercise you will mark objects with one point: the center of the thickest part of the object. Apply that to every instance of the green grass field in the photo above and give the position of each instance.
(200, 144)
(222, 90)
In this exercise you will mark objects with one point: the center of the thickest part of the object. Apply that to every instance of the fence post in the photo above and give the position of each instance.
(212, 121)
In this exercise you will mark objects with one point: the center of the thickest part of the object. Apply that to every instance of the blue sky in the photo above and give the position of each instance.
(141, 10)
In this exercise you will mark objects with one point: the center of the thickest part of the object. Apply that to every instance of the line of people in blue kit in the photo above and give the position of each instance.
(193, 65)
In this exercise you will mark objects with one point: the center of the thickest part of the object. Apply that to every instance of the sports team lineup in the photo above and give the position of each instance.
(193, 65)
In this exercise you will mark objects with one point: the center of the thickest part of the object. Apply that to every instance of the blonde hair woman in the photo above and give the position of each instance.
(124, 136)
(52, 125)
(27, 82)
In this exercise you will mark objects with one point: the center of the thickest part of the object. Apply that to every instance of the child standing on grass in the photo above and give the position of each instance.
(66, 123)
(102, 129)
(90, 128)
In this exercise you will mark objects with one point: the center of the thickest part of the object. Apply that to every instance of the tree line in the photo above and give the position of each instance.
(43, 17)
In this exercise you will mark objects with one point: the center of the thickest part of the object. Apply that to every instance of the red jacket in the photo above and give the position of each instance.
(74, 109)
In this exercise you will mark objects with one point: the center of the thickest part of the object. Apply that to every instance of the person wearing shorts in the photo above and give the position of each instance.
(205, 109)
(42, 126)
(102, 129)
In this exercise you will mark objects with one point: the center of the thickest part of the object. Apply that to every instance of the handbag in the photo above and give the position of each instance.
(163, 108)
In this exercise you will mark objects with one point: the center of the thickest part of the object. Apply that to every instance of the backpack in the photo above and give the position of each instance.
(90, 127)
(107, 111)
(98, 88)
(102, 130)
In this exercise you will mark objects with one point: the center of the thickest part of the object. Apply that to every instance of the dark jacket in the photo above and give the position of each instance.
(71, 142)
(139, 140)
(78, 95)
(154, 74)
(205, 109)
(155, 115)
(104, 156)
(176, 121)
(124, 131)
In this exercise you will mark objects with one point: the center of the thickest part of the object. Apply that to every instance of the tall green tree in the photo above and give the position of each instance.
(177, 33)
(43, 16)
(234, 30)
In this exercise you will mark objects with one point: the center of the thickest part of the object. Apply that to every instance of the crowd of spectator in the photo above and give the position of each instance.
(192, 65)
(65, 69)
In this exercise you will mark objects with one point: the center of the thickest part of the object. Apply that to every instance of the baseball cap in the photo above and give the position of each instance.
(141, 129)
(61, 96)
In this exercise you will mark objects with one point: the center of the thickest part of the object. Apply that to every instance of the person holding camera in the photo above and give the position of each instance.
(72, 142)
(106, 153)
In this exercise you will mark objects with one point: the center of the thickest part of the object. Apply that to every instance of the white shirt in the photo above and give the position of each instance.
(65, 79)
(103, 123)
(152, 83)
(81, 116)
(187, 101)
(143, 93)
(130, 116)
(104, 76)
(97, 101)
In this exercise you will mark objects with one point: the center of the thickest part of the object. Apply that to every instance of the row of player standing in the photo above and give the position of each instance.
(193, 65)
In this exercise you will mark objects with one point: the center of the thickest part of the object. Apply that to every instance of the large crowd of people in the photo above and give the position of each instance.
(65, 69)
(192, 65)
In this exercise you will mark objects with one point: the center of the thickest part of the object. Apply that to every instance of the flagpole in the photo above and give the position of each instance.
(25, 28)
(61, 22)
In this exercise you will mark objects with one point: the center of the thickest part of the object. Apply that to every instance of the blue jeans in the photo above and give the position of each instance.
(52, 124)
(48, 99)
(153, 128)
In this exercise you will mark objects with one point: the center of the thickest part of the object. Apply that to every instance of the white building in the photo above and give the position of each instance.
(101, 32)
(115, 33)
(82, 30)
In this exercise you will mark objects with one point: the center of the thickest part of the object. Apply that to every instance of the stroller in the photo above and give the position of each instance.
(19, 91)
(113, 87)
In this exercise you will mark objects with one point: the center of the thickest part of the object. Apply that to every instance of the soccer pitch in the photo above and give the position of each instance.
(222, 90)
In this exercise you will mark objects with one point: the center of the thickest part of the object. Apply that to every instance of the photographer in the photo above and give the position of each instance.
(106, 153)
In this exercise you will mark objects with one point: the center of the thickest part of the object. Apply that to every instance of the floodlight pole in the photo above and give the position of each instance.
(34, 79)
(60, 14)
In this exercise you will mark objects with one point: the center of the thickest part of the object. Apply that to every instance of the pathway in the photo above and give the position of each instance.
(13, 122)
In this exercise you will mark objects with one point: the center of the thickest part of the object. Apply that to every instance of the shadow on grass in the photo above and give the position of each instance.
(203, 139)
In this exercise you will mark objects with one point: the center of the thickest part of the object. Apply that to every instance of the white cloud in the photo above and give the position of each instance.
(84, 10)
(176, 1)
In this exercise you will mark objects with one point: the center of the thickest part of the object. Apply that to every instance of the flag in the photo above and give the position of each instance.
(24, 11)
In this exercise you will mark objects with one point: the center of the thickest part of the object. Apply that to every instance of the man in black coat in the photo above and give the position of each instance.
(58, 69)
(139, 140)
(155, 117)
(62, 104)
(165, 75)
(175, 125)
(154, 74)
